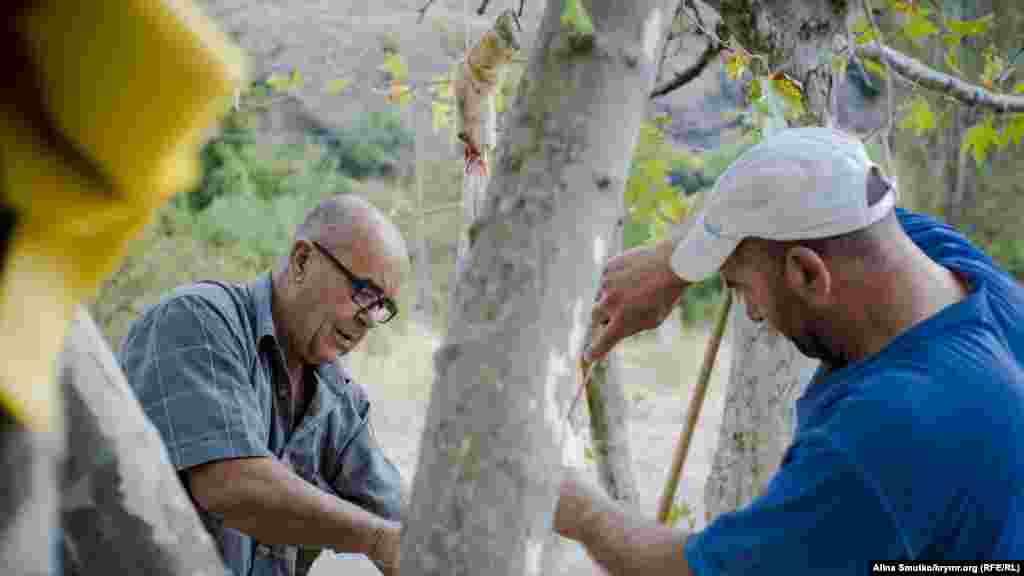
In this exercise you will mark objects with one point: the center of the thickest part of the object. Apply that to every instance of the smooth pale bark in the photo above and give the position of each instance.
(488, 473)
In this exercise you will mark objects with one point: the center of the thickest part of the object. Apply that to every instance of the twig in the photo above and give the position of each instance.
(698, 22)
(483, 8)
(522, 4)
(870, 14)
(423, 11)
(934, 80)
(686, 76)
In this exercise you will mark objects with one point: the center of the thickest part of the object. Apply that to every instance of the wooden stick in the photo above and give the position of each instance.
(696, 402)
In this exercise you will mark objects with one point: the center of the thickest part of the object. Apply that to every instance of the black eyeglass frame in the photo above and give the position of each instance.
(364, 286)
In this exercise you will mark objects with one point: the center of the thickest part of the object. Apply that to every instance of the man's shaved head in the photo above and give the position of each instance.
(344, 247)
(345, 221)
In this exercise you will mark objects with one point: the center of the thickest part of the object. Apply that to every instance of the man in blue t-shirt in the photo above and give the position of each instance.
(908, 438)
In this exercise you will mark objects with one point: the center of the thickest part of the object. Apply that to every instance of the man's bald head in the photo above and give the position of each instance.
(346, 253)
(345, 221)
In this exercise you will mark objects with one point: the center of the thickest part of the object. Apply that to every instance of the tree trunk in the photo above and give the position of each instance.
(487, 479)
(768, 372)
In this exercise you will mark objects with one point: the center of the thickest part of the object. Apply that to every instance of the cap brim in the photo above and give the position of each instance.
(701, 254)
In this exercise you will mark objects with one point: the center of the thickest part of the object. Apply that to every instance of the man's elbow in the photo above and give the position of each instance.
(218, 487)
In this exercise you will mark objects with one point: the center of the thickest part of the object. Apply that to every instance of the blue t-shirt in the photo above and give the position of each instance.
(915, 453)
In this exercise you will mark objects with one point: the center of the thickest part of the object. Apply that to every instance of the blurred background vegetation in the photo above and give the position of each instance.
(257, 185)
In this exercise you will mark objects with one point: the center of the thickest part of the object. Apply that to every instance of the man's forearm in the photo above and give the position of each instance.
(264, 499)
(629, 546)
(622, 543)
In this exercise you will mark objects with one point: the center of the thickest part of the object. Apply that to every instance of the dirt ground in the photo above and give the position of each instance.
(658, 376)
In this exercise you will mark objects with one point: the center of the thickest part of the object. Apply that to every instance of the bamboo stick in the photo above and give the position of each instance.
(692, 413)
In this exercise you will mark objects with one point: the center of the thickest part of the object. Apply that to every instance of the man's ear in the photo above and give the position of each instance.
(808, 276)
(298, 260)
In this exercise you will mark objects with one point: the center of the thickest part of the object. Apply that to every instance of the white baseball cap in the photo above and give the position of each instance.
(797, 184)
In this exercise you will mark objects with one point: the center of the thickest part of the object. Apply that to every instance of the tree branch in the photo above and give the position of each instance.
(932, 79)
(423, 11)
(690, 74)
(483, 7)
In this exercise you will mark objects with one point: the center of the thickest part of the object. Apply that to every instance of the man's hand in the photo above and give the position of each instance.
(638, 290)
(622, 543)
(386, 549)
(577, 500)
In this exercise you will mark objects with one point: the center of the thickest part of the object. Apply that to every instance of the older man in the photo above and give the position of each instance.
(269, 434)
(908, 438)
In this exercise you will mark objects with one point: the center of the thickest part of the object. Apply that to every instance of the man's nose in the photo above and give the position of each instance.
(755, 316)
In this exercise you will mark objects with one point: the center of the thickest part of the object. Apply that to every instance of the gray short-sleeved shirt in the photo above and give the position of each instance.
(208, 369)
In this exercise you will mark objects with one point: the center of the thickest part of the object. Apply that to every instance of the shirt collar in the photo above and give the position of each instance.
(262, 291)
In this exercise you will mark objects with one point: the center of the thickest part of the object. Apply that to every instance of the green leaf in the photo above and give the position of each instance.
(789, 90)
(337, 86)
(1019, 88)
(736, 62)
(754, 90)
(920, 119)
(966, 28)
(1014, 129)
(863, 31)
(395, 65)
(952, 60)
(296, 80)
(839, 64)
(978, 139)
(874, 67)
(575, 17)
(279, 82)
(588, 454)
(776, 108)
(441, 86)
(918, 26)
(440, 115)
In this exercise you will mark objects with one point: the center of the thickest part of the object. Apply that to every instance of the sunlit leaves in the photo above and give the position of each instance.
(952, 60)
(442, 108)
(737, 60)
(919, 26)
(284, 83)
(920, 119)
(979, 138)
(957, 30)
(649, 197)
(791, 92)
(994, 66)
(1014, 130)
(863, 32)
(916, 24)
(1019, 88)
(440, 115)
(396, 67)
(839, 64)
(398, 93)
(337, 86)
(576, 19)
(874, 67)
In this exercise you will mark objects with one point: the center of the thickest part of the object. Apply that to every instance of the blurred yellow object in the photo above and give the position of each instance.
(104, 123)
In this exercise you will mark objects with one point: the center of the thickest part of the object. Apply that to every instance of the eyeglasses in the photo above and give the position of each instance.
(365, 294)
